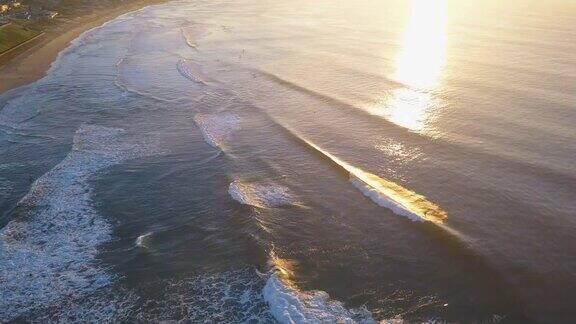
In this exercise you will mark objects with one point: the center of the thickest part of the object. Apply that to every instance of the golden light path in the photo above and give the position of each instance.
(388, 194)
(385, 193)
(423, 53)
(418, 66)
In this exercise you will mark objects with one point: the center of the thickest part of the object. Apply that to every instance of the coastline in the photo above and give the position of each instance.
(32, 63)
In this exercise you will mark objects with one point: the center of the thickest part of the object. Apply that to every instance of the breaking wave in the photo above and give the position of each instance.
(217, 129)
(400, 200)
(260, 195)
(290, 305)
(191, 71)
(48, 251)
(235, 296)
(388, 194)
(193, 33)
(143, 240)
(385, 193)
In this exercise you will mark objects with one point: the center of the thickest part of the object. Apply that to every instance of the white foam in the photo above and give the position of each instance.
(217, 129)
(48, 251)
(224, 297)
(261, 195)
(108, 305)
(386, 193)
(230, 297)
(290, 306)
(143, 240)
(384, 201)
(191, 71)
(194, 33)
(237, 296)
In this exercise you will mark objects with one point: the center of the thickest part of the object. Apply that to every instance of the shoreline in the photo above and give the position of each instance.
(32, 63)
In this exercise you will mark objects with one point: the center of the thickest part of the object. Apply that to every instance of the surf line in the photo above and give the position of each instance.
(385, 193)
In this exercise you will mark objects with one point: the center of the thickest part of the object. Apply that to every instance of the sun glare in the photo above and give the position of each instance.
(418, 66)
(423, 52)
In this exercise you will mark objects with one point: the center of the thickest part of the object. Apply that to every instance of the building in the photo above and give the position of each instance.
(8, 6)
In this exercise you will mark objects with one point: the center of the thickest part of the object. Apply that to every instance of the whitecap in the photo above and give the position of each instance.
(217, 129)
(108, 305)
(193, 33)
(192, 71)
(386, 193)
(289, 305)
(143, 240)
(260, 195)
(233, 296)
(48, 251)
(385, 201)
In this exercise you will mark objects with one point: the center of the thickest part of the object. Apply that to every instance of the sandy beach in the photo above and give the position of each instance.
(32, 61)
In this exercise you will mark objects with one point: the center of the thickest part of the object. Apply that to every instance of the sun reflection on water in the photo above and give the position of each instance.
(423, 53)
(418, 67)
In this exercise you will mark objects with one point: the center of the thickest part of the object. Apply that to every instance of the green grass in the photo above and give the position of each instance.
(20, 21)
(14, 35)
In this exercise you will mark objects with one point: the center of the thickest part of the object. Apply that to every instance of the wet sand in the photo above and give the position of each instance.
(31, 62)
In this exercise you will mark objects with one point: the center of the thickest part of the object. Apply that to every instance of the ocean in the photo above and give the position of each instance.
(297, 162)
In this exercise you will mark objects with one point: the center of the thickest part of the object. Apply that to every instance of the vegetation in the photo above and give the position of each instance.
(13, 35)
(30, 18)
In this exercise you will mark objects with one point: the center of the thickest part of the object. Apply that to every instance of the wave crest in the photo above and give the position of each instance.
(260, 195)
(217, 129)
(385, 193)
(191, 71)
(288, 304)
(193, 33)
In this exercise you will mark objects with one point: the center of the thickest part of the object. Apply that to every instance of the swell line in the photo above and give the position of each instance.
(385, 193)
(532, 166)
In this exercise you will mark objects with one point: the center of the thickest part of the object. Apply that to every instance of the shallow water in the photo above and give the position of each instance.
(263, 161)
